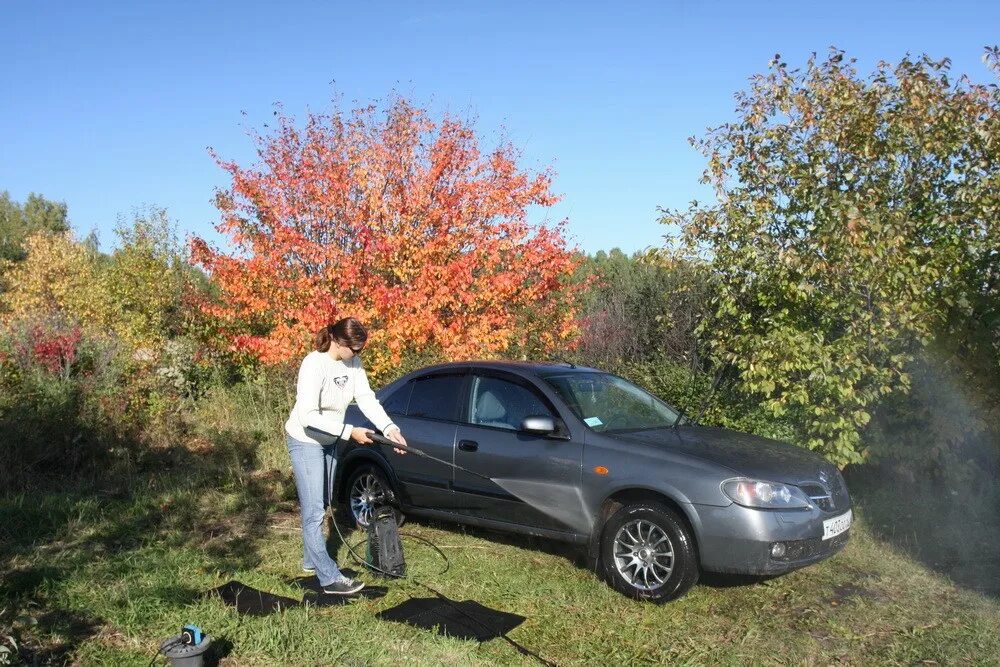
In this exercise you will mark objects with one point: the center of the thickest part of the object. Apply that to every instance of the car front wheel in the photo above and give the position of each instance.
(648, 553)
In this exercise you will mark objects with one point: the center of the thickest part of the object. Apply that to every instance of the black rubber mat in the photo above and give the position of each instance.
(251, 601)
(467, 619)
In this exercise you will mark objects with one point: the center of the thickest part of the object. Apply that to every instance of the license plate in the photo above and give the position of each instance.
(836, 525)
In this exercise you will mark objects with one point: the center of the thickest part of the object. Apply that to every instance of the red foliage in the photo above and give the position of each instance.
(398, 221)
(54, 351)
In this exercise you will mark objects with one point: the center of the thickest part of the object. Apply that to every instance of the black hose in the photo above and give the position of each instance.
(523, 650)
(372, 566)
(382, 440)
(362, 561)
(163, 649)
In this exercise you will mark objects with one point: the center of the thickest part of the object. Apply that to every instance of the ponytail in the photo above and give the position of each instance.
(323, 339)
(348, 331)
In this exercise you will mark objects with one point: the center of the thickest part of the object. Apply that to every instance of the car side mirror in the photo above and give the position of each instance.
(539, 424)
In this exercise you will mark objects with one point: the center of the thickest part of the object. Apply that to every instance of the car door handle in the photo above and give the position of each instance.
(468, 445)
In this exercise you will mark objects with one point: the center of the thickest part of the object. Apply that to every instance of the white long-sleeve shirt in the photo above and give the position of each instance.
(325, 388)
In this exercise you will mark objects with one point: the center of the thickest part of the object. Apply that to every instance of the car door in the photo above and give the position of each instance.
(534, 480)
(427, 410)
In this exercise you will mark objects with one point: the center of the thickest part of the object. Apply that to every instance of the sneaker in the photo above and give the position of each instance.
(343, 587)
(308, 570)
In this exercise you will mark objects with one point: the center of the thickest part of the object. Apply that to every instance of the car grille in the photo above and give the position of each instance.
(819, 495)
(829, 497)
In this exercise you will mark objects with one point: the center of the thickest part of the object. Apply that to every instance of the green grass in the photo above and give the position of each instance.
(100, 581)
(97, 572)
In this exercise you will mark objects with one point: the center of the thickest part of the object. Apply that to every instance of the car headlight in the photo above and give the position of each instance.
(764, 495)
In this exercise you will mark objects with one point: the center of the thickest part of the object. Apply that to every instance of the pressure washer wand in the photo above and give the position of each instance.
(382, 440)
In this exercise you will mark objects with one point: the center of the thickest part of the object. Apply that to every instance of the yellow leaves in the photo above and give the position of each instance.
(57, 275)
(130, 295)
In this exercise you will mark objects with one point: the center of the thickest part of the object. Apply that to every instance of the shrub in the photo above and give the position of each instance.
(692, 392)
(59, 400)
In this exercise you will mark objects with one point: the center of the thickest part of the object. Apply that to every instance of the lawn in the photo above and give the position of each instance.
(97, 572)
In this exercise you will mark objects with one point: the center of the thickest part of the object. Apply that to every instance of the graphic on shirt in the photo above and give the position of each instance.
(340, 381)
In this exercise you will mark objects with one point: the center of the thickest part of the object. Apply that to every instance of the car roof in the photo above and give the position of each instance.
(535, 367)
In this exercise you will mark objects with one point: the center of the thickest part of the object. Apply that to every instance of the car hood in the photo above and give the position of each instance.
(747, 455)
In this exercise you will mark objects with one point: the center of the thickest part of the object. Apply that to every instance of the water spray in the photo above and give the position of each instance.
(562, 502)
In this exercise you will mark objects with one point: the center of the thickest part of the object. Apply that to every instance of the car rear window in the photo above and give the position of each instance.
(396, 403)
(436, 397)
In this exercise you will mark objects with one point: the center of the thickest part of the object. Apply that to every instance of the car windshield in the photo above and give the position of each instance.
(610, 404)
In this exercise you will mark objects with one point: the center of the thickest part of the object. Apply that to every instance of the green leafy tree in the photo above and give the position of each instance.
(857, 219)
(146, 278)
(620, 307)
(137, 293)
(18, 221)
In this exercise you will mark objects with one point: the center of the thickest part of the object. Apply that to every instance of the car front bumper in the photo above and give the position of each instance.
(738, 540)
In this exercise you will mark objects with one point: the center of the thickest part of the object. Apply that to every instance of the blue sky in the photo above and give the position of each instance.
(109, 106)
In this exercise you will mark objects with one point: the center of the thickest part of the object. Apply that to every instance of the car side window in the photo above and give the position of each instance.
(436, 397)
(503, 404)
(397, 402)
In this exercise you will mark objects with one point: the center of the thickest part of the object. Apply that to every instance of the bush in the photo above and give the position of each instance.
(69, 398)
(946, 431)
(60, 406)
(692, 392)
(252, 410)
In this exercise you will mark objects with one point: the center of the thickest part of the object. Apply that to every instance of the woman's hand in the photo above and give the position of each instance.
(396, 436)
(360, 435)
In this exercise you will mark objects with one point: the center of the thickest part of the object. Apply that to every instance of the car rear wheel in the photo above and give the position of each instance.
(367, 488)
(648, 553)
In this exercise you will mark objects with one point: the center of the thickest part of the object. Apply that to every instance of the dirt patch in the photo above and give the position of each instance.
(52, 636)
(854, 591)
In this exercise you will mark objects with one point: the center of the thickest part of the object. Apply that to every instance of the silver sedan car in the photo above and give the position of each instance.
(581, 455)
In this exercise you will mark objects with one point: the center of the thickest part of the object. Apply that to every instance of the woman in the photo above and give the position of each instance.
(329, 379)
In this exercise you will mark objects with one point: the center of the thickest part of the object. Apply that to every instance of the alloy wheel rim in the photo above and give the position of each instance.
(363, 494)
(643, 554)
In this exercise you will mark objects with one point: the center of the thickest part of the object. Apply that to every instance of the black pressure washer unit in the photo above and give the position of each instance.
(384, 552)
(385, 549)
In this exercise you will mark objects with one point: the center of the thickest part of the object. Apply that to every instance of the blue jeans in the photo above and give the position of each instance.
(314, 465)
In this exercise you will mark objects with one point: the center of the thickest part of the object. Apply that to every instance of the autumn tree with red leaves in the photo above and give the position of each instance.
(400, 221)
